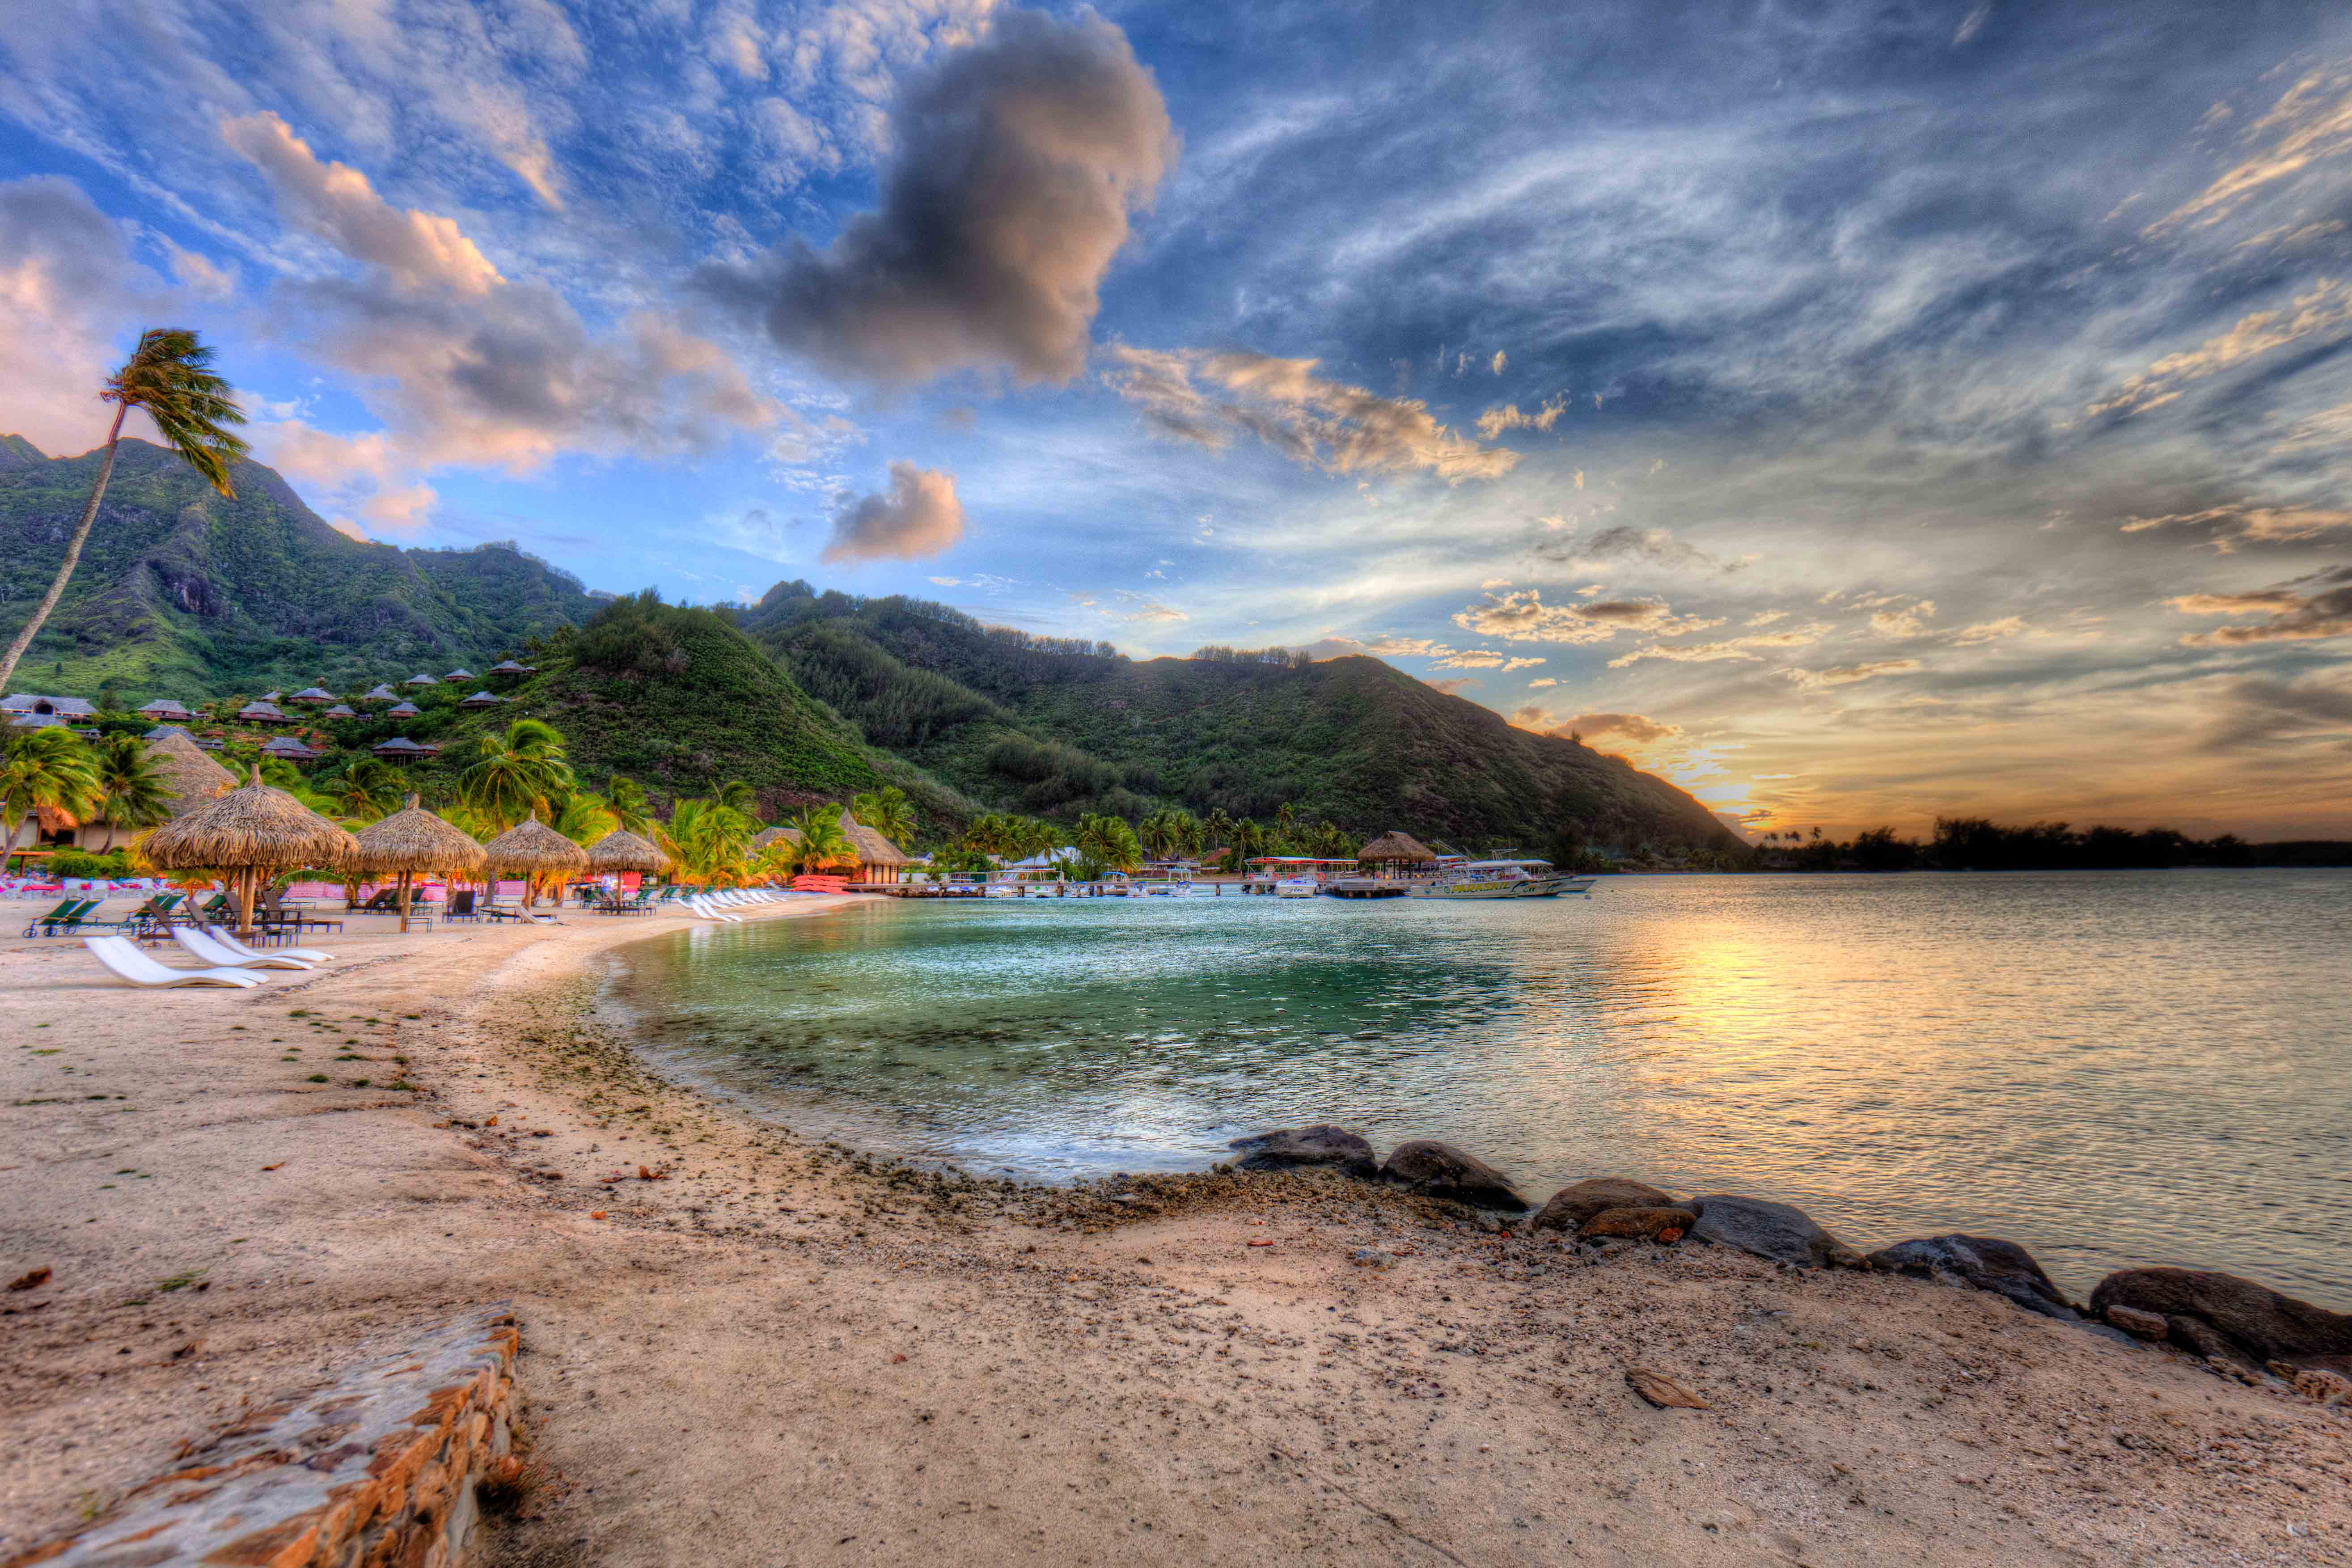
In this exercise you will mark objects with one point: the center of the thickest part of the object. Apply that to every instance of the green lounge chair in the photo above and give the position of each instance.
(65, 917)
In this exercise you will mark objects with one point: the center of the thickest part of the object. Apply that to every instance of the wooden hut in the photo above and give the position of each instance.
(878, 859)
(512, 670)
(420, 681)
(481, 700)
(458, 676)
(380, 694)
(263, 712)
(401, 748)
(532, 850)
(164, 710)
(248, 831)
(340, 710)
(312, 696)
(1395, 854)
(413, 841)
(402, 710)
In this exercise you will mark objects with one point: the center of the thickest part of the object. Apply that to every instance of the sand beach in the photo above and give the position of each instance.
(744, 1345)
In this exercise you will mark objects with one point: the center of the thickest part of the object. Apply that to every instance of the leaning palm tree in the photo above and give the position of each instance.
(581, 819)
(169, 376)
(824, 842)
(47, 769)
(743, 799)
(515, 775)
(365, 790)
(134, 793)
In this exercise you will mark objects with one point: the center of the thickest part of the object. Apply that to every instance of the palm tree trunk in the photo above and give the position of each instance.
(73, 555)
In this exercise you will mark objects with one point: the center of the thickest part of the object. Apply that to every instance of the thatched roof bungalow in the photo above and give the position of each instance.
(768, 836)
(263, 712)
(512, 670)
(420, 680)
(380, 693)
(289, 748)
(164, 710)
(401, 748)
(878, 859)
(1396, 851)
(458, 676)
(312, 696)
(29, 702)
(340, 710)
(481, 700)
(402, 710)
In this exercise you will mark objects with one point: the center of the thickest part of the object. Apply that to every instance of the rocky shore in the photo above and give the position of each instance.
(742, 1345)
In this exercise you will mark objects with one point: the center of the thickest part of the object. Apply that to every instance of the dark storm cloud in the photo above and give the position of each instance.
(1017, 163)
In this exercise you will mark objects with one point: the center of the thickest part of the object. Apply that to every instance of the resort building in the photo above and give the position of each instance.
(401, 748)
(164, 710)
(264, 711)
(312, 696)
(380, 694)
(459, 677)
(340, 710)
(35, 722)
(481, 700)
(26, 705)
(402, 710)
(420, 681)
(508, 669)
(878, 859)
(288, 748)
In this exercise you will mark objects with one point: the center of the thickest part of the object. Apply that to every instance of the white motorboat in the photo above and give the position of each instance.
(1501, 879)
(1295, 888)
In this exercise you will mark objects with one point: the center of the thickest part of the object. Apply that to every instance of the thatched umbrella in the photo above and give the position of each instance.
(530, 849)
(250, 830)
(412, 840)
(1392, 851)
(622, 850)
(192, 777)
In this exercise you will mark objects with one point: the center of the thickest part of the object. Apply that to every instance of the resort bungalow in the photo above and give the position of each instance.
(26, 705)
(508, 669)
(878, 859)
(164, 710)
(459, 677)
(481, 700)
(312, 696)
(381, 693)
(37, 721)
(160, 730)
(401, 710)
(420, 681)
(401, 748)
(340, 710)
(768, 836)
(264, 711)
(288, 749)
(190, 777)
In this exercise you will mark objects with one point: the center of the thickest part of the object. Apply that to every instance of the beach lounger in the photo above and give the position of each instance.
(65, 917)
(119, 954)
(204, 949)
(460, 906)
(386, 902)
(228, 939)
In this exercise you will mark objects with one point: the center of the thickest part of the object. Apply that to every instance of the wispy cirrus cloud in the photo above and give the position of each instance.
(2305, 610)
(1524, 616)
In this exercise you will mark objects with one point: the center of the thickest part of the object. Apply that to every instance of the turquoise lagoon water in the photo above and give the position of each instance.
(2111, 1067)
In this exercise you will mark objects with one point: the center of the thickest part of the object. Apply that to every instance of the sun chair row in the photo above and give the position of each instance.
(716, 906)
(229, 961)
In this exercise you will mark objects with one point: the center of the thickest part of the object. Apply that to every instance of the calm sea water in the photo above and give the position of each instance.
(2113, 1068)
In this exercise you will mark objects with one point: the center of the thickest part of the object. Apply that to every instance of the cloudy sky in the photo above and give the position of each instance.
(1856, 411)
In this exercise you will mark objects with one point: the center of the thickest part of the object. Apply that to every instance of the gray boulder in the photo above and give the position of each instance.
(1986, 1262)
(1572, 1207)
(2227, 1319)
(1293, 1147)
(1776, 1231)
(1442, 1170)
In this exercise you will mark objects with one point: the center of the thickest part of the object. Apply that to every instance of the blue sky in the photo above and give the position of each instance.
(1855, 412)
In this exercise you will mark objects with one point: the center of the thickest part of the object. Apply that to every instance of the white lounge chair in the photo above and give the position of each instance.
(119, 954)
(204, 949)
(228, 939)
(710, 911)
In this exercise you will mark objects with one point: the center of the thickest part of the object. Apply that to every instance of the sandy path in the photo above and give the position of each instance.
(782, 1352)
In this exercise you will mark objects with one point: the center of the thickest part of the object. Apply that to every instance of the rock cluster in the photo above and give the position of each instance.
(2238, 1326)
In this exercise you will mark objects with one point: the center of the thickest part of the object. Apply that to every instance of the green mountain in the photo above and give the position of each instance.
(184, 593)
(680, 700)
(1053, 726)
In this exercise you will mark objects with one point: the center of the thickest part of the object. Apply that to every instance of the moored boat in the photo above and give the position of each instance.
(1500, 879)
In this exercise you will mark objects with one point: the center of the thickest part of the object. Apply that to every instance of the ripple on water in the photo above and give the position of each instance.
(2112, 1068)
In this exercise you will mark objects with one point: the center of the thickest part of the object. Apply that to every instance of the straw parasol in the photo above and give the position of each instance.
(412, 840)
(250, 830)
(530, 849)
(1393, 849)
(621, 850)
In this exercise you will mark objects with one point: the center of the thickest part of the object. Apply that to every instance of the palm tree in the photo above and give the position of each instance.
(47, 769)
(886, 812)
(706, 839)
(367, 790)
(1218, 826)
(168, 375)
(740, 798)
(822, 841)
(626, 798)
(134, 793)
(515, 774)
(581, 819)
(1158, 833)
